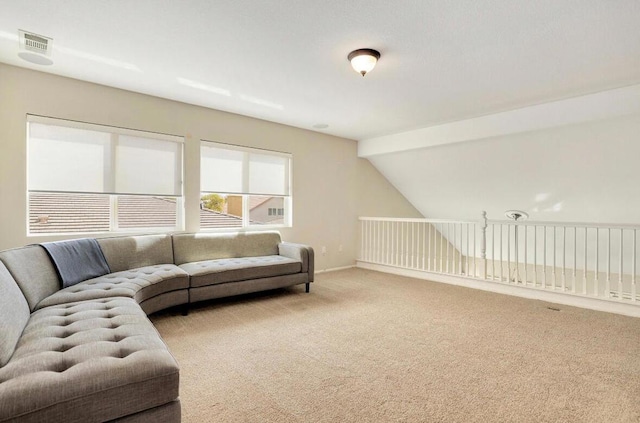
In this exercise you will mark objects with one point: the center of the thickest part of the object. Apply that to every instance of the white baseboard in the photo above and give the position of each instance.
(333, 269)
(575, 300)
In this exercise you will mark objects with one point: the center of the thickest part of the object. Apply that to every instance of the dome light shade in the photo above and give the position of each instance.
(363, 60)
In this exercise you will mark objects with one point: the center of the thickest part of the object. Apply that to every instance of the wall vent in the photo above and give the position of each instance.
(35, 43)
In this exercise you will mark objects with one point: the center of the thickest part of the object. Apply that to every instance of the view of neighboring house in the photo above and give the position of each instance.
(262, 209)
(267, 209)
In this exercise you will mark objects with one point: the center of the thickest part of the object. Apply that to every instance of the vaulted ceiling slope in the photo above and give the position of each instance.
(286, 60)
(579, 172)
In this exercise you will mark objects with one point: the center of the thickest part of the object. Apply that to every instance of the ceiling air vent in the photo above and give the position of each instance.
(35, 48)
(35, 43)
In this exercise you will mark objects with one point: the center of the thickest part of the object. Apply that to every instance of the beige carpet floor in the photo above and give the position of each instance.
(365, 346)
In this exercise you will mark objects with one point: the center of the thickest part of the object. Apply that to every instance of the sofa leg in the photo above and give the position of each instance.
(185, 309)
(306, 287)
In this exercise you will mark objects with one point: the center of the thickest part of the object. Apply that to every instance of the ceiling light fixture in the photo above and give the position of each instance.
(363, 60)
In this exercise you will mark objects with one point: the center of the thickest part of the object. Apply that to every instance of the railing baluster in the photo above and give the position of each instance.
(401, 245)
(406, 247)
(441, 248)
(380, 226)
(413, 252)
(544, 250)
(596, 288)
(429, 247)
(475, 263)
(586, 268)
(554, 258)
(373, 241)
(409, 260)
(501, 261)
(535, 256)
(436, 243)
(509, 253)
(634, 293)
(382, 246)
(374, 249)
(389, 243)
(493, 252)
(448, 243)
(575, 259)
(621, 266)
(564, 258)
(607, 287)
(368, 236)
(376, 241)
(394, 246)
(460, 251)
(466, 262)
(525, 254)
(424, 245)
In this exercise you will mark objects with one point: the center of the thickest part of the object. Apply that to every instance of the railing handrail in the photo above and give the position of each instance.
(508, 222)
(415, 220)
(566, 224)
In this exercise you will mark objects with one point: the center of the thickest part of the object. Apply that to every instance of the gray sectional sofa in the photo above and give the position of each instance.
(88, 353)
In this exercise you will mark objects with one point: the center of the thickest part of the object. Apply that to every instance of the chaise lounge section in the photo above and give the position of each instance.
(88, 353)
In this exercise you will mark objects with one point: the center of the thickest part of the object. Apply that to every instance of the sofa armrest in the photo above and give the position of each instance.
(301, 252)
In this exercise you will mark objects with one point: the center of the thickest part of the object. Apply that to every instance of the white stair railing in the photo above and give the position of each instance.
(584, 259)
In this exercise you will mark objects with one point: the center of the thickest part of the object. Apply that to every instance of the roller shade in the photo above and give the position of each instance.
(268, 175)
(221, 170)
(146, 166)
(237, 170)
(86, 160)
(67, 159)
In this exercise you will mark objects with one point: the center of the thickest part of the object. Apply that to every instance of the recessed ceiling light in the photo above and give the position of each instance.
(320, 126)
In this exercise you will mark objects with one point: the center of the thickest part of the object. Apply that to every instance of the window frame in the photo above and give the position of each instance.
(246, 221)
(114, 131)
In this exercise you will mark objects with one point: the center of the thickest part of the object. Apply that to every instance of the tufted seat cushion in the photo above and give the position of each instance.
(85, 362)
(211, 272)
(141, 284)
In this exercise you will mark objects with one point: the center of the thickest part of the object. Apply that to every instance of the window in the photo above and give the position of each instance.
(275, 211)
(243, 187)
(85, 178)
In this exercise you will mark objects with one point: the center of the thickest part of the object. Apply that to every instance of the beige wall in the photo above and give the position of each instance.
(326, 170)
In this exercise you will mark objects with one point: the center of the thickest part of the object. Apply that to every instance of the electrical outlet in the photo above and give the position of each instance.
(324, 250)
(340, 248)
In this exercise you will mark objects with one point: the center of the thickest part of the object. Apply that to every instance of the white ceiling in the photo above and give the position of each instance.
(285, 60)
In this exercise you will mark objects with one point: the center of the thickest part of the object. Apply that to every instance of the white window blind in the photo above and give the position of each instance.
(268, 174)
(87, 158)
(221, 170)
(237, 170)
(67, 159)
(148, 166)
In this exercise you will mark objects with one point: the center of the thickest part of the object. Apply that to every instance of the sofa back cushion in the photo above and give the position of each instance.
(130, 252)
(207, 246)
(14, 314)
(33, 270)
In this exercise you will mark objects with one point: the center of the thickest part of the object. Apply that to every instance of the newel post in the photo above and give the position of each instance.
(483, 245)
